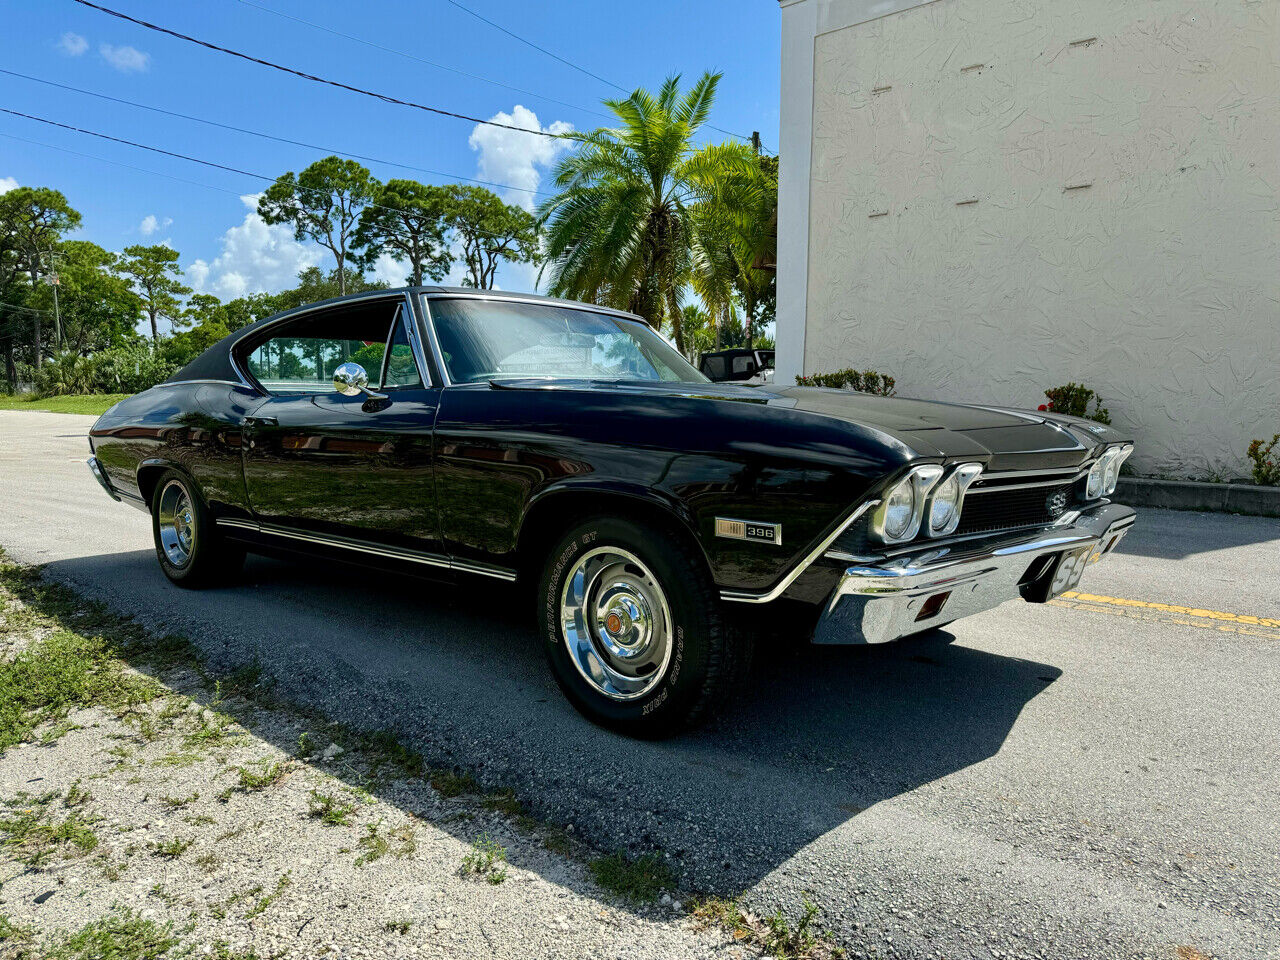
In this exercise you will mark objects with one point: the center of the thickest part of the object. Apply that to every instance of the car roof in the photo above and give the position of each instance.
(215, 363)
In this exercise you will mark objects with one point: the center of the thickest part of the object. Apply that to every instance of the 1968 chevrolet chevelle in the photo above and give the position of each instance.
(571, 448)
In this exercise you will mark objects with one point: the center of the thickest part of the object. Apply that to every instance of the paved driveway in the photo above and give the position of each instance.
(1093, 778)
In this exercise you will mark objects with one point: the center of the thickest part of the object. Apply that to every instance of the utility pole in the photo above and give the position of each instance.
(54, 281)
(755, 141)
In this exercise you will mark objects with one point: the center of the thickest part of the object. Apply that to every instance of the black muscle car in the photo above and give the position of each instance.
(571, 448)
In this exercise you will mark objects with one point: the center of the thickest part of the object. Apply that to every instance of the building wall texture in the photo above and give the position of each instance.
(1007, 195)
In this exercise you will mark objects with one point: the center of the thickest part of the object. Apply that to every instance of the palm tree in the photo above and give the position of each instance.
(623, 230)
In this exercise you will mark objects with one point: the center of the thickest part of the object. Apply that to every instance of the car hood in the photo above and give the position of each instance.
(1004, 439)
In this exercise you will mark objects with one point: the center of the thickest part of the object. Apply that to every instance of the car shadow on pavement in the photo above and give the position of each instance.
(817, 736)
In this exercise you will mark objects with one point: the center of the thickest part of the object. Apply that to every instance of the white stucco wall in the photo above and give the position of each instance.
(1005, 195)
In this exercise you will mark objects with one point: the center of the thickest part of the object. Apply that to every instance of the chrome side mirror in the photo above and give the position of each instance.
(349, 379)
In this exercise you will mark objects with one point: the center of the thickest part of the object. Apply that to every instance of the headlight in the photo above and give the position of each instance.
(899, 508)
(945, 504)
(948, 499)
(1113, 468)
(899, 515)
(1097, 476)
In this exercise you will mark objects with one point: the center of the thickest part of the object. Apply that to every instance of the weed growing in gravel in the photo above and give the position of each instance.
(15, 936)
(33, 837)
(328, 810)
(639, 880)
(177, 803)
(76, 796)
(448, 783)
(265, 773)
(398, 926)
(504, 802)
(774, 934)
(58, 674)
(171, 849)
(376, 845)
(487, 858)
(260, 907)
(121, 936)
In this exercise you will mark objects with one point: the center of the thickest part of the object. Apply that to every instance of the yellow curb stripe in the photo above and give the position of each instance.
(1137, 613)
(1175, 609)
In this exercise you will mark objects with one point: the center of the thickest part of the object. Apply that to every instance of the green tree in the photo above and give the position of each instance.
(323, 203)
(408, 220)
(755, 245)
(154, 272)
(490, 232)
(34, 220)
(623, 228)
(98, 307)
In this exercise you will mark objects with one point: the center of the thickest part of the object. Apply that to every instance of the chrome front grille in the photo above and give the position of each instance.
(998, 509)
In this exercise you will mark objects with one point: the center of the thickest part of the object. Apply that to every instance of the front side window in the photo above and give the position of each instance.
(485, 339)
(299, 357)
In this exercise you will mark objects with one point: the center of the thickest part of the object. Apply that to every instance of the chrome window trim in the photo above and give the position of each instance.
(184, 383)
(336, 304)
(373, 549)
(430, 323)
(746, 596)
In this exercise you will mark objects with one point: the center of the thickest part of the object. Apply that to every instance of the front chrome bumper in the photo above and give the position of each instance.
(898, 596)
(98, 474)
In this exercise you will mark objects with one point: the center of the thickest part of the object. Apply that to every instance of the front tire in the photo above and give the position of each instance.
(191, 551)
(633, 630)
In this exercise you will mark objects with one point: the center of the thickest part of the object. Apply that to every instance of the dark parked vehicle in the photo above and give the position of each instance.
(570, 447)
(739, 364)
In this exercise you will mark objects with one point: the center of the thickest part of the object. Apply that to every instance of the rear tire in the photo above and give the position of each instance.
(191, 551)
(633, 629)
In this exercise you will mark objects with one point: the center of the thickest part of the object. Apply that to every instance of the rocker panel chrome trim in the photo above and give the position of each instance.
(359, 546)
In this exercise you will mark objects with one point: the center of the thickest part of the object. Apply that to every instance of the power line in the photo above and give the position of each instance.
(384, 97)
(206, 163)
(267, 136)
(568, 63)
(530, 43)
(414, 56)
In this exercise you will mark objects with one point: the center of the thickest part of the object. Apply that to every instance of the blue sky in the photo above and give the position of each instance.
(224, 248)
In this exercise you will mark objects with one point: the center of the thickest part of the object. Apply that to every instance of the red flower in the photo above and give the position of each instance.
(1042, 407)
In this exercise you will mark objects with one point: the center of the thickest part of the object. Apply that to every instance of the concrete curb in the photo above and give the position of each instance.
(1189, 495)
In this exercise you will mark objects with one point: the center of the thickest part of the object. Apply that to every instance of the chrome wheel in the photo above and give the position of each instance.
(616, 623)
(176, 523)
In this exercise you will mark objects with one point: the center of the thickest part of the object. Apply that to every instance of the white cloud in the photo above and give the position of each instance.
(125, 59)
(7, 184)
(512, 157)
(151, 223)
(72, 44)
(255, 258)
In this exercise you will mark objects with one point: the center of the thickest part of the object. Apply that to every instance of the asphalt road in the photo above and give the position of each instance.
(1086, 779)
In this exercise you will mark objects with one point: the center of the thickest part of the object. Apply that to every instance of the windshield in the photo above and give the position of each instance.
(482, 339)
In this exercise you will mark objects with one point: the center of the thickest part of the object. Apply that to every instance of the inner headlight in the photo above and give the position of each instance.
(946, 500)
(1120, 455)
(899, 509)
(1097, 476)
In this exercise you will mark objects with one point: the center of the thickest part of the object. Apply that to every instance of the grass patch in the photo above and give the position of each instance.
(449, 783)
(58, 674)
(377, 845)
(639, 880)
(91, 403)
(171, 849)
(260, 907)
(177, 803)
(775, 934)
(120, 937)
(487, 859)
(262, 775)
(504, 802)
(329, 810)
(33, 837)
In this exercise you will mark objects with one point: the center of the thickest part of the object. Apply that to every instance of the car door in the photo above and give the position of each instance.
(325, 467)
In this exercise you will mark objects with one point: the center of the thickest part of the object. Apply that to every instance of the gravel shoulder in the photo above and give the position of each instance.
(150, 805)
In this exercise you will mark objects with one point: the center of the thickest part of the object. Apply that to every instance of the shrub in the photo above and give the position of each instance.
(1073, 399)
(1266, 466)
(67, 373)
(130, 368)
(868, 381)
